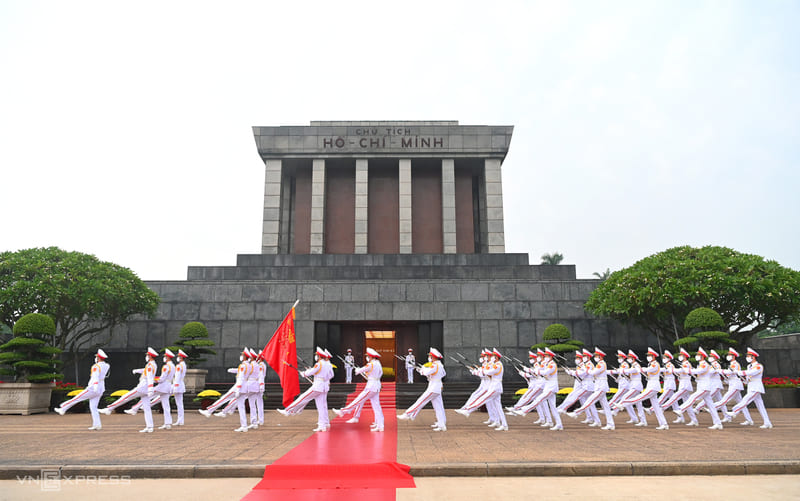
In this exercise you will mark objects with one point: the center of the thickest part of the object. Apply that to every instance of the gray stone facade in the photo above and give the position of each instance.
(481, 300)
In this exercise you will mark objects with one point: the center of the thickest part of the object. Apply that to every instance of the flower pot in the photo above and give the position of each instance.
(25, 398)
(195, 380)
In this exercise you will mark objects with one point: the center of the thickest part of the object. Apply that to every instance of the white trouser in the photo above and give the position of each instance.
(93, 397)
(633, 393)
(252, 400)
(410, 371)
(528, 396)
(705, 396)
(436, 401)
(229, 396)
(179, 407)
(373, 396)
(547, 397)
(260, 404)
(348, 369)
(494, 403)
(653, 396)
(304, 399)
(736, 396)
(573, 397)
(754, 397)
(240, 400)
(681, 395)
(164, 398)
(598, 396)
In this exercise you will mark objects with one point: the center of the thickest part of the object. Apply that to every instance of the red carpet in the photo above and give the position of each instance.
(348, 460)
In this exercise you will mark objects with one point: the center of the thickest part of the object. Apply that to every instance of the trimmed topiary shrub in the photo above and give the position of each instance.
(557, 337)
(194, 341)
(28, 356)
(703, 318)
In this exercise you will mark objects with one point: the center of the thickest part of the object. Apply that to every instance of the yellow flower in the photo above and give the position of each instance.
(612, 390)
(208, 393)
(521, 391)
(119, 393)
(73, 393)
(334, 366)
(565, 391)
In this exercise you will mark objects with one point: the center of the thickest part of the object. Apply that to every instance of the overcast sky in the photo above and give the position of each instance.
(125, 128)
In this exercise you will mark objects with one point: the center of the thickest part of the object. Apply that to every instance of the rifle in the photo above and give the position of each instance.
(398, 357)
(298, 371)
(460, 362)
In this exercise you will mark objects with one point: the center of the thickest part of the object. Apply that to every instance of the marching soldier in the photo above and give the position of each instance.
(591, 412)
(144, 390)
(349, 364)
(634, 374)
(373, 372)
(549, 371)
(735, 388)
(228, 399)
(94, 390)
(755, 387)
(491, 397)
(684, 390)
(318, 392)
(535, 385)
(433, 393)
(411, 363)
(600, 377)
(623, 385)
(703, 392)
(650, 392)
(578, 389)
(668, 380)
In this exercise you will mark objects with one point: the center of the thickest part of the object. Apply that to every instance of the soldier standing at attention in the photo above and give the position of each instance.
(163, 389)
(373, 372)
(178, 386)
(411, 363)
(349, 364)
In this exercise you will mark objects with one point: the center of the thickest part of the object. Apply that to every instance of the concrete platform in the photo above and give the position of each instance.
(209, 448)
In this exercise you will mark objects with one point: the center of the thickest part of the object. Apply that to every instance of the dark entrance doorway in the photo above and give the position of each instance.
(388, 338)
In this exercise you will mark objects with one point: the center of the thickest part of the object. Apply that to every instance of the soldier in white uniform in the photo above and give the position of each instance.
(735, 388)
(703, 376)
(578, 390)
(163, 389)
(755, 387)
(491, 397)
(548, 370)
(261, 367)
(668, 386)
(228, 399)
(178, 385)
(623, 385)
(634, 374)
(433, 393)
(349, 365)
(411, 363)
(242, 388)
(684, 391)
(322, 371)
(144, 390)
(483, 387)
(650, 392)
(253, 388)
(716, 380)
(373, 372)
(535, 385)
(588, 383)
(94, 390)
(599, 375)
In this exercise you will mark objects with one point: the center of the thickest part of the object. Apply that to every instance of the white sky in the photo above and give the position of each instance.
(125, 128)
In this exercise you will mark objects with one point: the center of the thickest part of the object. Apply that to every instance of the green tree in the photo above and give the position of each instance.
(700, 323)
(658, 292)
(194, 342)
(85, 297)
(558, 338)
(29, 355)
(554, 258)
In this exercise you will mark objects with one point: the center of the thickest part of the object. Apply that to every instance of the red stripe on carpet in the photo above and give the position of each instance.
(345, 461)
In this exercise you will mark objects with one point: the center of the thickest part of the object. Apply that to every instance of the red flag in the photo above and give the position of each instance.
(282, 348)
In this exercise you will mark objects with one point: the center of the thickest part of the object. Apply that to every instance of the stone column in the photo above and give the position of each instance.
(362, 210)
(448, 206)
(317, 206)
(272, 207)
(404, 171)
(494, 206)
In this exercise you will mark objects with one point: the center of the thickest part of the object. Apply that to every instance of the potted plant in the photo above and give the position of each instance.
(193, 340)
(558, 338)
(206, 398)
(32, 361)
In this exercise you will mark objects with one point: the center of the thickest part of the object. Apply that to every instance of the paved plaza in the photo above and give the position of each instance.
(209, 448)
